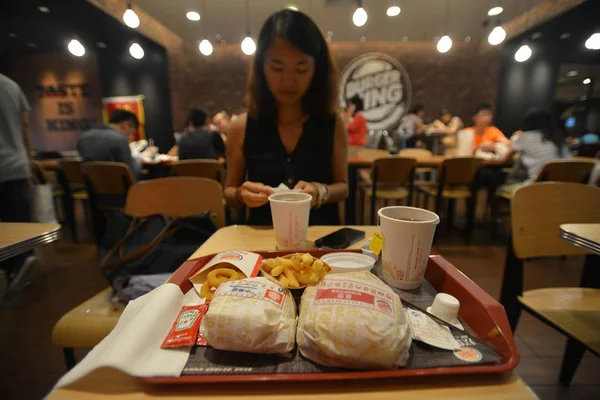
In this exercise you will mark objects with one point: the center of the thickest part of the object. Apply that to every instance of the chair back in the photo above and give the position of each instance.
(460, 170)
(538, 210)
(576, 171)
(393, 170)
(38, 172)
(71, 170)
(177, 197)
(108, 183)
(372, 154)
(415, 153)
(210, 169)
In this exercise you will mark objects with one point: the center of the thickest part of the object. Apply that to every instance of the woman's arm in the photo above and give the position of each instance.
(252, 194)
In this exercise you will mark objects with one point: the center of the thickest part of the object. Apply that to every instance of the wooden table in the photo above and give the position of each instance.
(19, 237)
(111, 384)
(586, 236)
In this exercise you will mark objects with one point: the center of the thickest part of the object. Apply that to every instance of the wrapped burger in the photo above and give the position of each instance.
(353, 320)
(252, 315)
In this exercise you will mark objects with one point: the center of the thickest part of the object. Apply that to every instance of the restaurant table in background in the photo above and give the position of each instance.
(433, 141)
(586, 236)
(20, 237)
(111, 384)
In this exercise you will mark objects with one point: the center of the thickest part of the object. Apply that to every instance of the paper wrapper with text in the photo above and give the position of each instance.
(252, 315)
(353, 320)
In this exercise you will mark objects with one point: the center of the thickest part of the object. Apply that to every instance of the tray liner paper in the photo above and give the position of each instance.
(209, 361)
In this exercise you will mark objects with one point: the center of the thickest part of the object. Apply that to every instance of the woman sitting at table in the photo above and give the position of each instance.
(356, 123)
(291, 133)
(450, 125)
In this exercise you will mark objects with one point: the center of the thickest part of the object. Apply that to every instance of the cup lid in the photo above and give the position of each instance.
(349, 262)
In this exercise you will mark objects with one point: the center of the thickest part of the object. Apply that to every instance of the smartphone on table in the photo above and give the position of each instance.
(340, 239)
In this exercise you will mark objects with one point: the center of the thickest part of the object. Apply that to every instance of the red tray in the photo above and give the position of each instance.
(483, 315)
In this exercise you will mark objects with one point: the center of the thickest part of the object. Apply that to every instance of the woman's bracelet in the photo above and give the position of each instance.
(319, 194)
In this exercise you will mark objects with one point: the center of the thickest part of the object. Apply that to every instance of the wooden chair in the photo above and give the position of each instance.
(576, 171)
(418, 154)
(91, 321)
(211, 169)
(457, 181)
(391, 179)
(70, 179)
(107, 183)
(537, 211)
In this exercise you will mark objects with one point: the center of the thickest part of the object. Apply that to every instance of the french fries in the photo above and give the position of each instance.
(296, 270)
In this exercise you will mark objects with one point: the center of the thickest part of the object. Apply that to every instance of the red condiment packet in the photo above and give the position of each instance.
(185, 328)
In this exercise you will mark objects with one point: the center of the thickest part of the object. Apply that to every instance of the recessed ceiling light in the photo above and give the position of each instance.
(363, 39)
(101, 45)
(44, 9)
(565, 35)
(587, 81)
(193, 16)
(393, 11)
(405, 39)
(495, 11)
(467, 39)
(572, 73)
(536, 35)
(12, 35)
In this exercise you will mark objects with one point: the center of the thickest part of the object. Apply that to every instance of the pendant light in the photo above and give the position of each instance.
(445, 43)
(130, 18)
(359, 18)
(524, 52)
(593, 42)
(248, 45)
(205, 46)
(136, 51)
(498, 34)
(76, 48)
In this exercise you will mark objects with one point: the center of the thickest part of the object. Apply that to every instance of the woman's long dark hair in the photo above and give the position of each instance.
(539, 119)
(320, 100)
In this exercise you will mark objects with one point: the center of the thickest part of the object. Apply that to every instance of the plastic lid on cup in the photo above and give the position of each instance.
(348, 262)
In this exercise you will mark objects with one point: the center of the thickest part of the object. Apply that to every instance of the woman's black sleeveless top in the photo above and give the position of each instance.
(268, 162)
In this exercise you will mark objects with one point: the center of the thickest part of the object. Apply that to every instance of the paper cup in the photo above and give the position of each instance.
(407, 237)
(290, 212)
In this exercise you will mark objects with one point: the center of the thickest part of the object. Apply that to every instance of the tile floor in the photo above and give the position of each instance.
(68, 275)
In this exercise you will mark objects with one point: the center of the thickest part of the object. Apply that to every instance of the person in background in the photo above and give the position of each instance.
(356, 123)
(411, 126)
(222, 121)
(200, 142)
(540, 141)
(450, 125)
(15, 172)
(111, 142)
(486, 135)
(292, 133)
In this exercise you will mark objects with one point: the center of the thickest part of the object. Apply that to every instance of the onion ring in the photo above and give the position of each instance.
(205, 292)
(220, 275)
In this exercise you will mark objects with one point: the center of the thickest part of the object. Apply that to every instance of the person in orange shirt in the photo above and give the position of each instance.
(485, 134)
(356, 122)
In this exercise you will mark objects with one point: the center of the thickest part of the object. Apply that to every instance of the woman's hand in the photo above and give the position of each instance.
(307, 187)
(255, 194)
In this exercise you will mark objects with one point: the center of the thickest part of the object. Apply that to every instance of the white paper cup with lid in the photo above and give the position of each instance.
(407, 237)
(290, 212)
(343, 262)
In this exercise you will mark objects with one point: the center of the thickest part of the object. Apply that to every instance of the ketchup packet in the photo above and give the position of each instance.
(184, 331)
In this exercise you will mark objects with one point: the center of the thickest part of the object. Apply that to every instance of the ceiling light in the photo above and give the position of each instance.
(248, 46)
(360, 17)
(31, 45)
(136, 51)
(101, 45)
(495, 11)
(363, 39)
(497, 36)
(467, 39)
(444, 44)
(537, 35)
(405, 39)
(329, 33)
(44, 9)
(76, 48)
(12, 35)
(523, 53)
(572, 73)
(193, 16)
(587, 81)
(205, 47)
(292, 7)
(593, 42)
(393, 11)
(565, 35)
(130, 18)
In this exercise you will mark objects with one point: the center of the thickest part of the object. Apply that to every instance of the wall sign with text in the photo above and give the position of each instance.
(61, 114)
(384, 86)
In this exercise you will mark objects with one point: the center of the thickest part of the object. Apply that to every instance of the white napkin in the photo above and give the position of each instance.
(133, 346)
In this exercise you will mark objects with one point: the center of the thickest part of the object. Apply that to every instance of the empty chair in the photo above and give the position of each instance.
(108, 183)
(457, 181)
(70, 179)
(418, 154)
(210, 169)
(391, 179)
(537, 211)
(88, 323)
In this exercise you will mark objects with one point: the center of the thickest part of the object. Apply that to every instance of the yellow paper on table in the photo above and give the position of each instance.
(376, 242)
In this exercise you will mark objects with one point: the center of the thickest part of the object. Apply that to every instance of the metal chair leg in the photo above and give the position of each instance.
(572, 356)
(69, 356)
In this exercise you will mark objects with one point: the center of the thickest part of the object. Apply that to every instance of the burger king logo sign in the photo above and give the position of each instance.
(383, 85)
